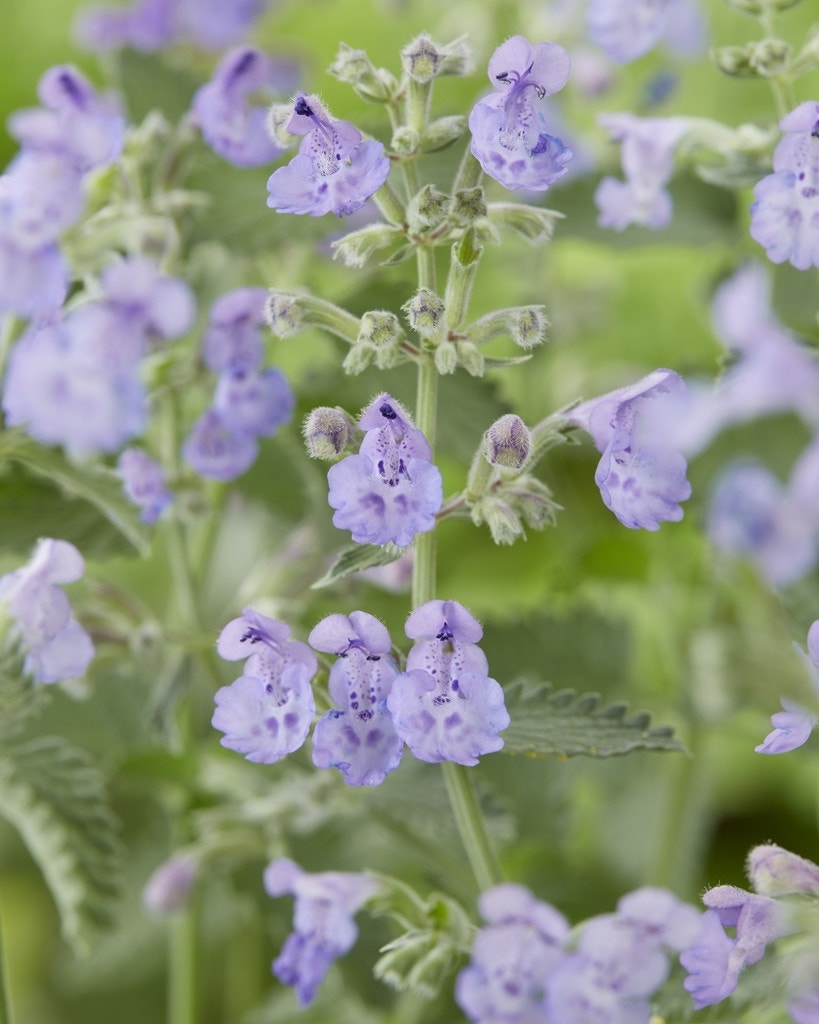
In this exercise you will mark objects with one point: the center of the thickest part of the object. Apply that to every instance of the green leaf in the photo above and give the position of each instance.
(98, 518)
(356, 559)
(493, 363)
(55, 798)
(561, 724)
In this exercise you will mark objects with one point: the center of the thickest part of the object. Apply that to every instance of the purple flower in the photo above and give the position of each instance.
(151, 25)
(714, 961)
(231, 123)
(785, 211)
(255, 404)
(334, 171)
(626, 29)
(233, 339)
(509, 137)
(804, 1008)
(775, 871)
(216, 451)
(56, 645)
(445, 707)
(641, 478)
(512, 958)
(75, 122)
(324, 928)
(389, 491)
(168, 889)
(32, 284)
(144, 483)
(267, 712)
(794, 724)
(147, 302)
(359, 739)
(61, 390)
(752, 515)
(647, 156)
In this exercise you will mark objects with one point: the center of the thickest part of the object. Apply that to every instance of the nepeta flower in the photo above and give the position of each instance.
(335, 171)
(75, 122)
(626, 29)
(232, 124)
(389, 491)
(775, 871)
(445, 706)
(641, 478)
(233, 338)
(647, 156)
(509, 137)
(266, 713)
(216, 450)
(144, 483)
(785, 211)
(256, 404)
(168, 889)
(512, 958)
(804, 1008)
(150, 25)
(714, 960)
(794, 724)
(56, 645)
(324, 928)
(359, 739)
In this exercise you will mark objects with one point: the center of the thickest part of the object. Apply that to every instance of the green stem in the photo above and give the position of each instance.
(472, 826)
(182, 1008)
(5, 999)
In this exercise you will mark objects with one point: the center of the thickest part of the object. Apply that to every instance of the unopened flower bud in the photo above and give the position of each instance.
(168, 889)
(508, 442)
(734, 60)
(534, 501)
(283, 314)
(774, 871)
(357, 247)
(327, 433)
(525, 325)
(446, 357)
(770, 57)
(471, 358)
(358, 358)
(535, 223)
(355, 68)
(425, 312)
(382, 334)
(405, 141)
(468, 205)
(503, 521)
(422, 59)
(427, 209)
(443, 133)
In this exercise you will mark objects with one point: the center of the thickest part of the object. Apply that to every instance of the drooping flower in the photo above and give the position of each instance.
(233, 338)
(216, 451)
(626, 29)
(335, 170)
(227, 110)
(144, 483)
(785, 211)
(324, 928)
(509, 132)
(56, 645)
(794, 724)
(256, 404)
(359, 739)
(267, 712)
(390, 490)
(445, 706)
(512, 958)
(641, 477)
(647, 156)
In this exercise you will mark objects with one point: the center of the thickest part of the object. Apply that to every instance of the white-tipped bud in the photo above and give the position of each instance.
(425, 313)
(525, 325)
(405, 141)
(283, 314)
(508, 443)
(427, 209)
(328, 433)
(468, 205)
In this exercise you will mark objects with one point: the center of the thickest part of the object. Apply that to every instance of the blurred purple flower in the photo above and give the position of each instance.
(216, 451)
(509, 137)
(228, 111)
(267, 712)
(785, 211)
(359, 739)
(56, 645)
(144, 483)
(168, 889)
(335, 170)
(255, 404)
(626, 29)
(233, 339)
(389, 491)
(775, 871)
(151, 25)
(512, 958)
(804, 1008)
(794, 724)
(445, 706)
(641, 478)
(323, 923)
(647, 156)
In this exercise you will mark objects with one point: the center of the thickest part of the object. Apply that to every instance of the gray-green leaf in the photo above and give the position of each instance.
(55, 798)
(562, 724)
(356, 559)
